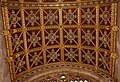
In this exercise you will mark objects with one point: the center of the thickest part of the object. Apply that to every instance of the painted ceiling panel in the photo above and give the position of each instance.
(40, 34)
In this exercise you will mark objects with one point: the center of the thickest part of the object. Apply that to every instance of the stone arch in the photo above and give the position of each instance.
(61, 68)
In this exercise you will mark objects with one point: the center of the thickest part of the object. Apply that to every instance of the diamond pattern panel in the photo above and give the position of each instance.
(88, 56)
(104, 40)
(34, 39)
(36, 58)
(88, 16)
(104, 60)
(14, 18)
(32, 17)
(70, 16)
(71, 55)
(51, 17)
(20, 64)
(70, 36)
(88, 36)
(105, 15)
(52, 36)
(17, 42)
(53, 55)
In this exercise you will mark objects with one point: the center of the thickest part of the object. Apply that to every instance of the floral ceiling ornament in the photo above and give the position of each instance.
(105, 39)
(14, 19)
(70, 16)
(70, 36)
(36, 58)
(88, 56)
(17, 42)
(104, 60)
(88, 16)
(71, 54)
(53, 55)
(32, 18)
(34, 39)
(51, 17)
(88, 37)
(52, 37)
(20, 64)
(105, 15)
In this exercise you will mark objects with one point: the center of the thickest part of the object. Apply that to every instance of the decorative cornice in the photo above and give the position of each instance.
(55, 4)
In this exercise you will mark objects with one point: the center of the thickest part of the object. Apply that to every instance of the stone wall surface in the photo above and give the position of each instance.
(117, 70)
(4, 68)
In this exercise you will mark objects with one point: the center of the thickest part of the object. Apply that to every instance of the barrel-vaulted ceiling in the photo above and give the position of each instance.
(46, 32)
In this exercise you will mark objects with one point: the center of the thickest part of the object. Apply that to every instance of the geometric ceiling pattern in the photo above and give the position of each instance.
(51, 31)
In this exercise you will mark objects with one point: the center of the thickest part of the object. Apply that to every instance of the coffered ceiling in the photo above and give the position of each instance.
(44, 32)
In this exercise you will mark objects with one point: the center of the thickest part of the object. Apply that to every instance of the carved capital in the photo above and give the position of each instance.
(9, 59)
(114, 55)
(115, 28)
(5, 32)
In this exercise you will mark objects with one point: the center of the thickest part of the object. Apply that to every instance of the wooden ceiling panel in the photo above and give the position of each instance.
(40, 33)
